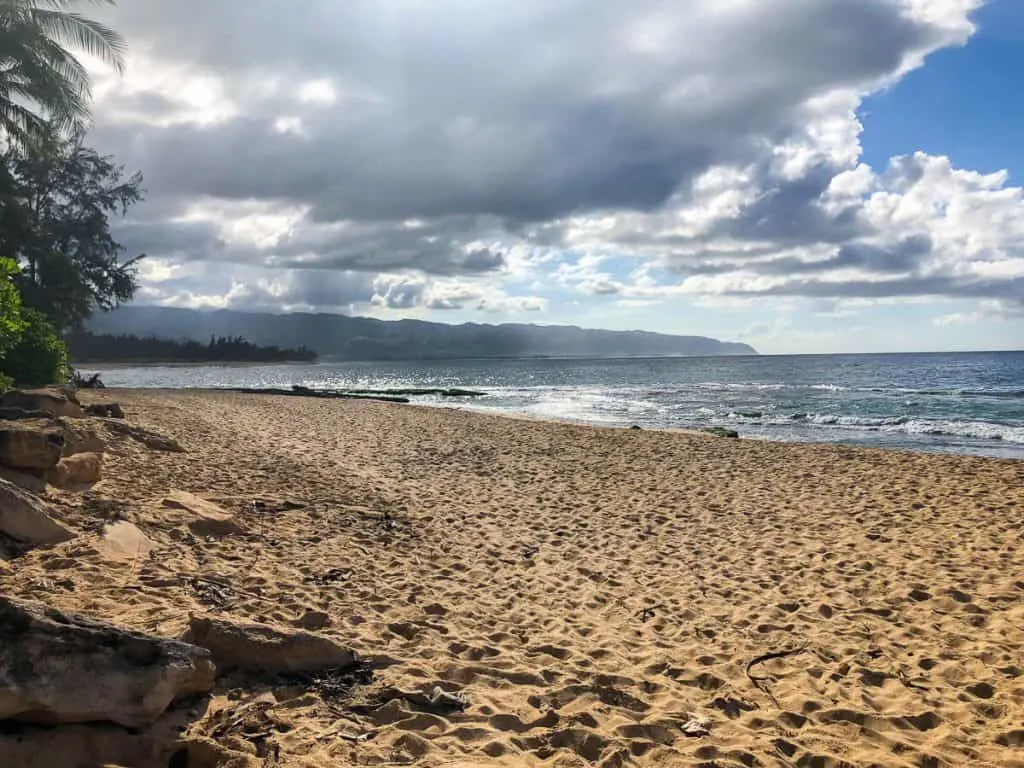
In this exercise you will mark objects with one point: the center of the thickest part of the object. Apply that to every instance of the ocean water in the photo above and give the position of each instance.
(959, 403)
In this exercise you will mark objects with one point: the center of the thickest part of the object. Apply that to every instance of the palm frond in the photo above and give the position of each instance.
(40, 79)
(61, 61)
(83, 33)
(19, 123)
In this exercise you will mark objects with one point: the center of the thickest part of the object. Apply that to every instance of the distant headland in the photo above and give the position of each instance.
(366, 339)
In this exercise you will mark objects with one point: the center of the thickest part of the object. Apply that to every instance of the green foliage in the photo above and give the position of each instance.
(40, 357)
(56, 197)
(41, 80)
(11, 323)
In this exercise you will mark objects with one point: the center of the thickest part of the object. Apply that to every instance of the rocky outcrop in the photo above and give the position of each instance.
(204, 518)
(23, 480)
(27, 520)
(50, 400)
(81, 437)
(30, 445)
(259, 647)
(16, 414)
(60, 668)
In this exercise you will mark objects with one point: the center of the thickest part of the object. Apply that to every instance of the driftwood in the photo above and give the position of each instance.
(648, 613)
(769, 657)
(761, 682)
(438, 701)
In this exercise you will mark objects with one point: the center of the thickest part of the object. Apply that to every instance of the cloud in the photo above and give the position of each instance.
(409, 292)
(408, 156)
(398, 291)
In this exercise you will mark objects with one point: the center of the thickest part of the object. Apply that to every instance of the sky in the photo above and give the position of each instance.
(802, 175)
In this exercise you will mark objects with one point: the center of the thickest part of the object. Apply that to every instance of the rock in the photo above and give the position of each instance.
(108, 410)
(636, 428)
(57, 403)
(80, 469)
(696, 726)
(313, 620)
(60, 668)
(123, 541)
(27, 519)
(205, 517)
(30, 444)
(258, 647)
(722, 432)
(79, 437)
(16, 414)
(23, 480)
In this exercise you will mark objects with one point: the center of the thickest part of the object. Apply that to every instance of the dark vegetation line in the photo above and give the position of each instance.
(85, 347)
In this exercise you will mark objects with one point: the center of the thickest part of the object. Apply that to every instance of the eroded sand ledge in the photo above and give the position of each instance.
(591, 591)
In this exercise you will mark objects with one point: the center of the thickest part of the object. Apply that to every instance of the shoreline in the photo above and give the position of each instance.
(518, 416)
(595, 595)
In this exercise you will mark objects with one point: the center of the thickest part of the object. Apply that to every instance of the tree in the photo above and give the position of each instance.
(41, 82)
(56, 197)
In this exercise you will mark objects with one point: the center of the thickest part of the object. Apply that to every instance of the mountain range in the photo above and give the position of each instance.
(361, 338)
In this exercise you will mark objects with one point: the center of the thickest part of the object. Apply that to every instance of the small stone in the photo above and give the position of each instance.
(123, 541)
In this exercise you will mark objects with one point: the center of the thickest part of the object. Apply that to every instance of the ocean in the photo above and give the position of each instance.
(970, 403)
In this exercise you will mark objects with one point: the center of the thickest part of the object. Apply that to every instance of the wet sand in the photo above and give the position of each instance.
(598, 595)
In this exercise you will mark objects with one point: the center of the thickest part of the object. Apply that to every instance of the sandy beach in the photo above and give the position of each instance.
(598, 596)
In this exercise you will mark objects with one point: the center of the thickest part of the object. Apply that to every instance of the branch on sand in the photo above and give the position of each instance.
(761, 682)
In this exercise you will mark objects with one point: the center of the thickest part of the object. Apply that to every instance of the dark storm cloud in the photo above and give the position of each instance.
(453, 124)
(791, 212)
(503, 110)
(906, 255)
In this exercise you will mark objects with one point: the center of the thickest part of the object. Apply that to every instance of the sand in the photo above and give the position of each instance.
(598, 595)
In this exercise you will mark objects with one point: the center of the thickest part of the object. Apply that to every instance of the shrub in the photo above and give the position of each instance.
(39, 357)
(11, 323)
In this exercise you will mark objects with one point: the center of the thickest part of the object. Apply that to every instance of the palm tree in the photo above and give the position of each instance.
(40, 80)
